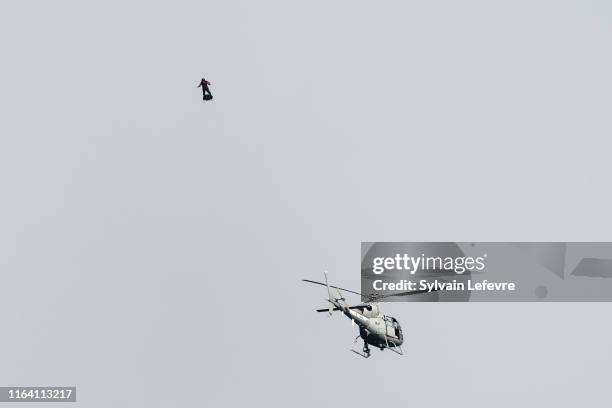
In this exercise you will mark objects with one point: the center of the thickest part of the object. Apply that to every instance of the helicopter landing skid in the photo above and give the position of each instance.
(396, 349)
(364, 354)
(366, 349)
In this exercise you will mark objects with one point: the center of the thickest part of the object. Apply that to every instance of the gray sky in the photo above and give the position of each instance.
(153, 245)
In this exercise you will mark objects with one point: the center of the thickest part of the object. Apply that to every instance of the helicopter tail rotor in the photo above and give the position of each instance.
(337, 304)
(329, 296)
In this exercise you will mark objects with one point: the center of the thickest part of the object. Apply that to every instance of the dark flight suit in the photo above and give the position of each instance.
(205, 89)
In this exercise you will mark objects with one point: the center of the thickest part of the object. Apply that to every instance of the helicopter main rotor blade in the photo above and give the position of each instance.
(375, 298)
(332, 286)
(336, 309)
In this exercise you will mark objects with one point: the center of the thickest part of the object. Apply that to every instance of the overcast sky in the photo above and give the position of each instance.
(153, 244)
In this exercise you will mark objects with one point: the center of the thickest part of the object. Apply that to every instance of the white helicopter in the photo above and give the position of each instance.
(375, 328)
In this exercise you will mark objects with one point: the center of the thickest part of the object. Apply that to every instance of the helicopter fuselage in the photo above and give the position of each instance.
(375, 328)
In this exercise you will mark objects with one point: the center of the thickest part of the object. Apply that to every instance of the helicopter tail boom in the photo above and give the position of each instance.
(355, 313)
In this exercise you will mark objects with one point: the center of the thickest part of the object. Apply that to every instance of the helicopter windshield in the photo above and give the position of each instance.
(394, 326)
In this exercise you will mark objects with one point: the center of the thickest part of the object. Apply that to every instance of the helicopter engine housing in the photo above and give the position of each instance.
(372, 310)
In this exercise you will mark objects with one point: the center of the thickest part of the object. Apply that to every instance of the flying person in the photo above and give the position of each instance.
(206, 94)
